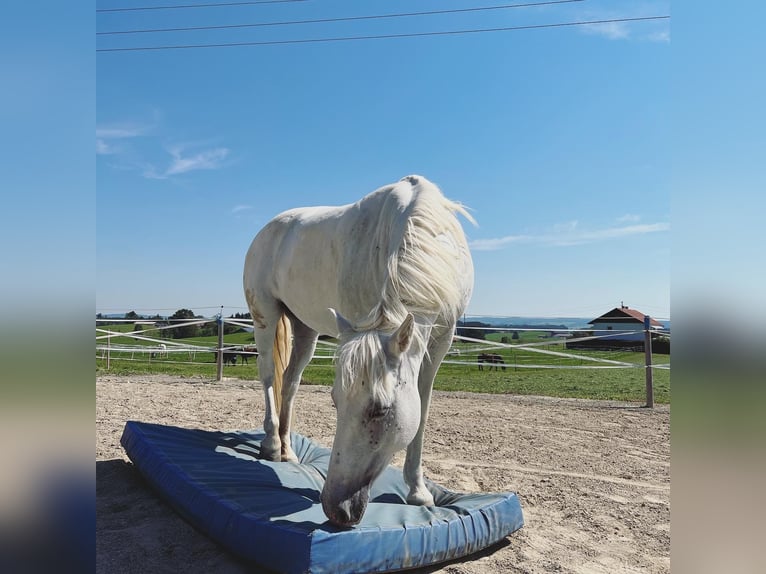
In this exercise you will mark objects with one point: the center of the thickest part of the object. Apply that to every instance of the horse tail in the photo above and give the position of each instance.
(282, 349)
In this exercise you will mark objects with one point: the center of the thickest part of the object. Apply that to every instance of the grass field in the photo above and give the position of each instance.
(527, 372)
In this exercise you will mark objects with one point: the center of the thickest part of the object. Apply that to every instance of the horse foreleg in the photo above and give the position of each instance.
(413, 461)
(304, 344)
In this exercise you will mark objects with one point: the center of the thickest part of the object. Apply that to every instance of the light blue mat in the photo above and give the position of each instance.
(269, 513)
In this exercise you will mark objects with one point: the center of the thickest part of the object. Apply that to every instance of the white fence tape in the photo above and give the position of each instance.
(166, 346)
(546, 352)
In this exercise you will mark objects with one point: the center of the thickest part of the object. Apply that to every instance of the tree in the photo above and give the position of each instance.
(184, 331)
(473, 329)
(132, 316)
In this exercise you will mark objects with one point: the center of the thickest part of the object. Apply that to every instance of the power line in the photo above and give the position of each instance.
(343, 19)
(182, 6)
(382, 36)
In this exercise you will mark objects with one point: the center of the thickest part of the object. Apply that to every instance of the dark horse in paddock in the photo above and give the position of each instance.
(492, 359)
(229, 357)
(247, 352)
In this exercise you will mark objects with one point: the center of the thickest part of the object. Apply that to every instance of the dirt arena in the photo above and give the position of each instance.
(593, 477)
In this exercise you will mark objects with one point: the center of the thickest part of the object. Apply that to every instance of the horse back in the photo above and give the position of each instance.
(359, 257)
(294, 261)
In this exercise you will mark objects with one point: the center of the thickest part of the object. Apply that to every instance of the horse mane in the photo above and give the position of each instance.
(424, 268)
(423, 237)
(361, 358)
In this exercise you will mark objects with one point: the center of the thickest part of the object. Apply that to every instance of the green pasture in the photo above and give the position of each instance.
(526, 372)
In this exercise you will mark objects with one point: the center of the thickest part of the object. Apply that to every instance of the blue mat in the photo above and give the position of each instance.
(269, 513)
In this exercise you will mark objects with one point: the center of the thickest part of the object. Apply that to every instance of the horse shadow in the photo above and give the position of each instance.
(134, 526)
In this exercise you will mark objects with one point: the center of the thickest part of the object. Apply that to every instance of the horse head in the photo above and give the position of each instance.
(376, 397)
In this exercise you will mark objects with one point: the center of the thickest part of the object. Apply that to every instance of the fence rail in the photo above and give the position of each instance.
(150, 340)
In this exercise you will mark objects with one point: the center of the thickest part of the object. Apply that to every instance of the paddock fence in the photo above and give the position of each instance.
(473, 347)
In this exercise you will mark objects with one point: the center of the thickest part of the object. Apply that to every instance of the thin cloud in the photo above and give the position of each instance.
(569, 234)
(182, 162)
(239, 208)
(629, 218)
(652, 31)
(582, 237)
(121, 132)
(610, 30)
(108, 135)
(206, 159)
(567, 227)
(103, 148)
(117, 139)
(498, 243)
(661, 36)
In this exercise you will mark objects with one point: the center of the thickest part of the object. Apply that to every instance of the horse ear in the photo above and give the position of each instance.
(344, 326)
(400, 341)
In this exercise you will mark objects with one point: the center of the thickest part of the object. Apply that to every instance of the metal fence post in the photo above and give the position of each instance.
(219, 360)
(648, 356)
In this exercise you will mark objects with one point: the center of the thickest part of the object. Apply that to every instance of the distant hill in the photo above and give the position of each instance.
(139, 316)
(531, 322)
(551, 323)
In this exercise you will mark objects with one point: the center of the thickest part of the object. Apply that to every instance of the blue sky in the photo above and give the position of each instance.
(558, 139)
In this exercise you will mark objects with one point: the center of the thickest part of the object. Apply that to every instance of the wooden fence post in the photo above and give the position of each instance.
(219, 360)
(648, 358)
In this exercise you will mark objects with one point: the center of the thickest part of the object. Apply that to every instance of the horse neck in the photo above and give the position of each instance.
(404, 251)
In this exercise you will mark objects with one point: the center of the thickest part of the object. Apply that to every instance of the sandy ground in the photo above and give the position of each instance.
(593, 477)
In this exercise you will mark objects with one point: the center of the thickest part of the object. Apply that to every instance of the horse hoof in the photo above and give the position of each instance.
(420, 497)
(289, 456)
(271, 455)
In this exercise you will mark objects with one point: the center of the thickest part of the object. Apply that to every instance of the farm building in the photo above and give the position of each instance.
(628, 325)
(623, 318)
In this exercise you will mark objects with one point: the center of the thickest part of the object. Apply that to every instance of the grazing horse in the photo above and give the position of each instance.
(492, 359)
(161, 352)
(229, 357)
(496, 360)
(246, 353)
(388, 276)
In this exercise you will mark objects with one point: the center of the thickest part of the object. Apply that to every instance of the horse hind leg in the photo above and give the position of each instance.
(304, 344)
(265, 332)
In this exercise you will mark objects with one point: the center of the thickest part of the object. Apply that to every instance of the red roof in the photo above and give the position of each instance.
(625, 314)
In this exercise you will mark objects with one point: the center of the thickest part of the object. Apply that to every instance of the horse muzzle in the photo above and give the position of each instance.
(345, 510)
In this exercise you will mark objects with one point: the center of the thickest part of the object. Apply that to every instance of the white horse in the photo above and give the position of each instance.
(388, 275)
